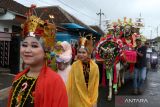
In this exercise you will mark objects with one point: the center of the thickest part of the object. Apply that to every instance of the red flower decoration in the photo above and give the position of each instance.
(39, 32)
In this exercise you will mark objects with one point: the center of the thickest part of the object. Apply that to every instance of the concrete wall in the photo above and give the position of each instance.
(5, 25)
(5, 21)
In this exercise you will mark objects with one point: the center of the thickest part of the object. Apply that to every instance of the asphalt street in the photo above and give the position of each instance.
(150, 97)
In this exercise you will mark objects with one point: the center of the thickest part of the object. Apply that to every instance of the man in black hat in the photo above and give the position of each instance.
(140, 68)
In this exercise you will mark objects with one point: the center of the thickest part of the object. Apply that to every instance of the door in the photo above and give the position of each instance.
(5, 39)
(15, 54)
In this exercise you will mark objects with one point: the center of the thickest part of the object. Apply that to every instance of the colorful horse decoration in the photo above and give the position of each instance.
(110, 49)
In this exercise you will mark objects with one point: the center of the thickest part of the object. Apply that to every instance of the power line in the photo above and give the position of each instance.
(62, 2)
(74, 9)
(95, 5)
(91, 4)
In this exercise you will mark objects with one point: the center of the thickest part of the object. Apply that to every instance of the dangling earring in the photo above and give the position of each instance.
(45, 59)
(45, 56)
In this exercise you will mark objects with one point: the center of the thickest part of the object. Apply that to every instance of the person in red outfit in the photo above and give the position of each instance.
(38, 85)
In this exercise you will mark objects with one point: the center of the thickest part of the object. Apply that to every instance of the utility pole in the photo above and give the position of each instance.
(100, 16)
(151, 39)
(157, 31)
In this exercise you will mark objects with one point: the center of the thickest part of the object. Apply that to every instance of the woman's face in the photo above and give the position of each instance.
(82, 54)
(31, 51)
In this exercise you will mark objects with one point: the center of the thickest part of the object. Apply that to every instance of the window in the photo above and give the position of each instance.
(6, 29)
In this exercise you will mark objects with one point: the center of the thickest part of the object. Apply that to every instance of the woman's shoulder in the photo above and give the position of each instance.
(94, 63)
(76, 62)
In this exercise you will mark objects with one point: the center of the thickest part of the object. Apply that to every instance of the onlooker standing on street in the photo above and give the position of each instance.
(140, 68)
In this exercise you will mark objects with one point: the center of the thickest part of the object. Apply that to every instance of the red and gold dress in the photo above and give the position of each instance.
(23, 92)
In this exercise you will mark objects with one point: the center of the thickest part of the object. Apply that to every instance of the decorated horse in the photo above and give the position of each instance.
(109, 49)
(117, 52)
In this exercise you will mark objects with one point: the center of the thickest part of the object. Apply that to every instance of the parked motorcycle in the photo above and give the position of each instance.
(154, 60)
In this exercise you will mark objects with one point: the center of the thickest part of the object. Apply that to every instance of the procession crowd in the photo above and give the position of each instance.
(60, 74)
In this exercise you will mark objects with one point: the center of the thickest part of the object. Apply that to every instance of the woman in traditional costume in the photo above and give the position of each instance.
(83, 80)
(37, 85)
(63, 61)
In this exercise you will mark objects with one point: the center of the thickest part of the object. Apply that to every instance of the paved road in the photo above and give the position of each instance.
(5, 82)
(150, 97)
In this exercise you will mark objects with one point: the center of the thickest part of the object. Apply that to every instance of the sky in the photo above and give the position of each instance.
(86, 10)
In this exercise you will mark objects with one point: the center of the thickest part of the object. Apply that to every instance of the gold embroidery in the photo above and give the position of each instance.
(86, 70)
(23, 89)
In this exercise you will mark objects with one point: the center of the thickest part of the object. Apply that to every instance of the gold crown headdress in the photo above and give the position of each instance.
(35, 26)
(86, 42)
